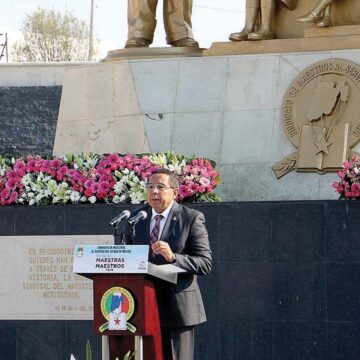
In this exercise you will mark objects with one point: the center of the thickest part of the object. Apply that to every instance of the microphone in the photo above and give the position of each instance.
(116, 220)
(142, 215)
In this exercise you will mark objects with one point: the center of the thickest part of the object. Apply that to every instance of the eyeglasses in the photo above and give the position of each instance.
(158, 187)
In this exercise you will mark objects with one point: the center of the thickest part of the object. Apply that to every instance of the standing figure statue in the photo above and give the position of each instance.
(259, 19)
(320, 15)
(177, 22)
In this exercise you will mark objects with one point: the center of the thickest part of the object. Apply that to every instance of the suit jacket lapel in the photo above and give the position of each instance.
(171, 220)
(147, 226)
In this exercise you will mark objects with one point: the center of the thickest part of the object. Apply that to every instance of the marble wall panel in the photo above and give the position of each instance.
(198, 134)
(293, 186)
(100, 91)
(95, 136)
(247, 137)
(71, 136)
(280, 144)
(201, 84)
(129, 135)
(287, 72)
(156, 84)
(245, 182)
(326, 191)
(74, 100)
(125, 99)
(252, 82)
(158, 130)
(351, 55)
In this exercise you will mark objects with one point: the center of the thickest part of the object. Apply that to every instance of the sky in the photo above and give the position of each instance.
(213, 20)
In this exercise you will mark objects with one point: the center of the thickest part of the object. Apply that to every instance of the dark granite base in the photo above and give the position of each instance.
(28, 117)
(285, 282)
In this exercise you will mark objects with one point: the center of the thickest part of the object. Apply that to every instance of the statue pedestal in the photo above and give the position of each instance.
(152, 53)
(316, 39)
(226, 108)
(349, 30)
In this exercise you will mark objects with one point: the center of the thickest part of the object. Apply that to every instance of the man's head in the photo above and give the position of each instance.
(163, 188)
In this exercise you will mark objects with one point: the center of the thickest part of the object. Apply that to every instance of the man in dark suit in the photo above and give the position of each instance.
(177, 235)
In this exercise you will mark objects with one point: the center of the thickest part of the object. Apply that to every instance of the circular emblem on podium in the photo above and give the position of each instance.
(117, 306)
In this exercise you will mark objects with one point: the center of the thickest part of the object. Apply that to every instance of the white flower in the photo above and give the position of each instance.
(119, 187)
(83, 199)
(75, 196)
(159, 159)
(52, 185)
(116, 199)
(136, 196)
(30, 194)
(56, 199)
(26, 179)
(92, 199)
(39, 197)
(32, 202)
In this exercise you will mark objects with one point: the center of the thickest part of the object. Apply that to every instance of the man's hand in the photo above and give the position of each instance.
(162, 248)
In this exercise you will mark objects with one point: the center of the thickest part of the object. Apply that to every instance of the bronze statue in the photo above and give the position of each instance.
(177, 22)
(320, 15)
(258, 20)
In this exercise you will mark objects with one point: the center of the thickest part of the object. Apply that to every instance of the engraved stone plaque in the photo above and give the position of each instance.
(37, 281)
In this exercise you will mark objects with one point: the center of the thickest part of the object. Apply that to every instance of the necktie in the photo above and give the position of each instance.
(154, 235)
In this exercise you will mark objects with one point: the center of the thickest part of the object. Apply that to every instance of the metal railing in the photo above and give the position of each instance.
(4, 47)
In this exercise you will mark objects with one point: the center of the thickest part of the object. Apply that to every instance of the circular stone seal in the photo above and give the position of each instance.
(326, 93)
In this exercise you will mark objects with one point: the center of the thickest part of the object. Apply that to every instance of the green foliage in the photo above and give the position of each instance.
(128, 356)
(52, 36)
(88, 351)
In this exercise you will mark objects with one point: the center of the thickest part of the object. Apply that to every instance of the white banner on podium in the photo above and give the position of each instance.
(105, 259)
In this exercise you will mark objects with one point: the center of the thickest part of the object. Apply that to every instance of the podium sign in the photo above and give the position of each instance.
(125, 303)
(111, 259)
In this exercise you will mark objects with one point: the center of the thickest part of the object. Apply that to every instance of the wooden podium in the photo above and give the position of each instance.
(125, 306)
(143, 322)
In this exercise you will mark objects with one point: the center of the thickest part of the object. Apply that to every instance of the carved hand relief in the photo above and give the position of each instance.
(321, 117)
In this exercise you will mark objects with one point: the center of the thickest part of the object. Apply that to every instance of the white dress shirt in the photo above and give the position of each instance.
(165, 215)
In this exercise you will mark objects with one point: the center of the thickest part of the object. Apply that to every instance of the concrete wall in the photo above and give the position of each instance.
(34, 74)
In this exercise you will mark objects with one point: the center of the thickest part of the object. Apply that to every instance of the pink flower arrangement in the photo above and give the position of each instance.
(197, 178)
(349, 185)
(110, 178)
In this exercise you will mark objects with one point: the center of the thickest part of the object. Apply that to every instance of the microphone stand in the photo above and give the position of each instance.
(122, 233)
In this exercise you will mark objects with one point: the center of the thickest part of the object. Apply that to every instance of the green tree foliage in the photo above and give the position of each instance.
(49, 35)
